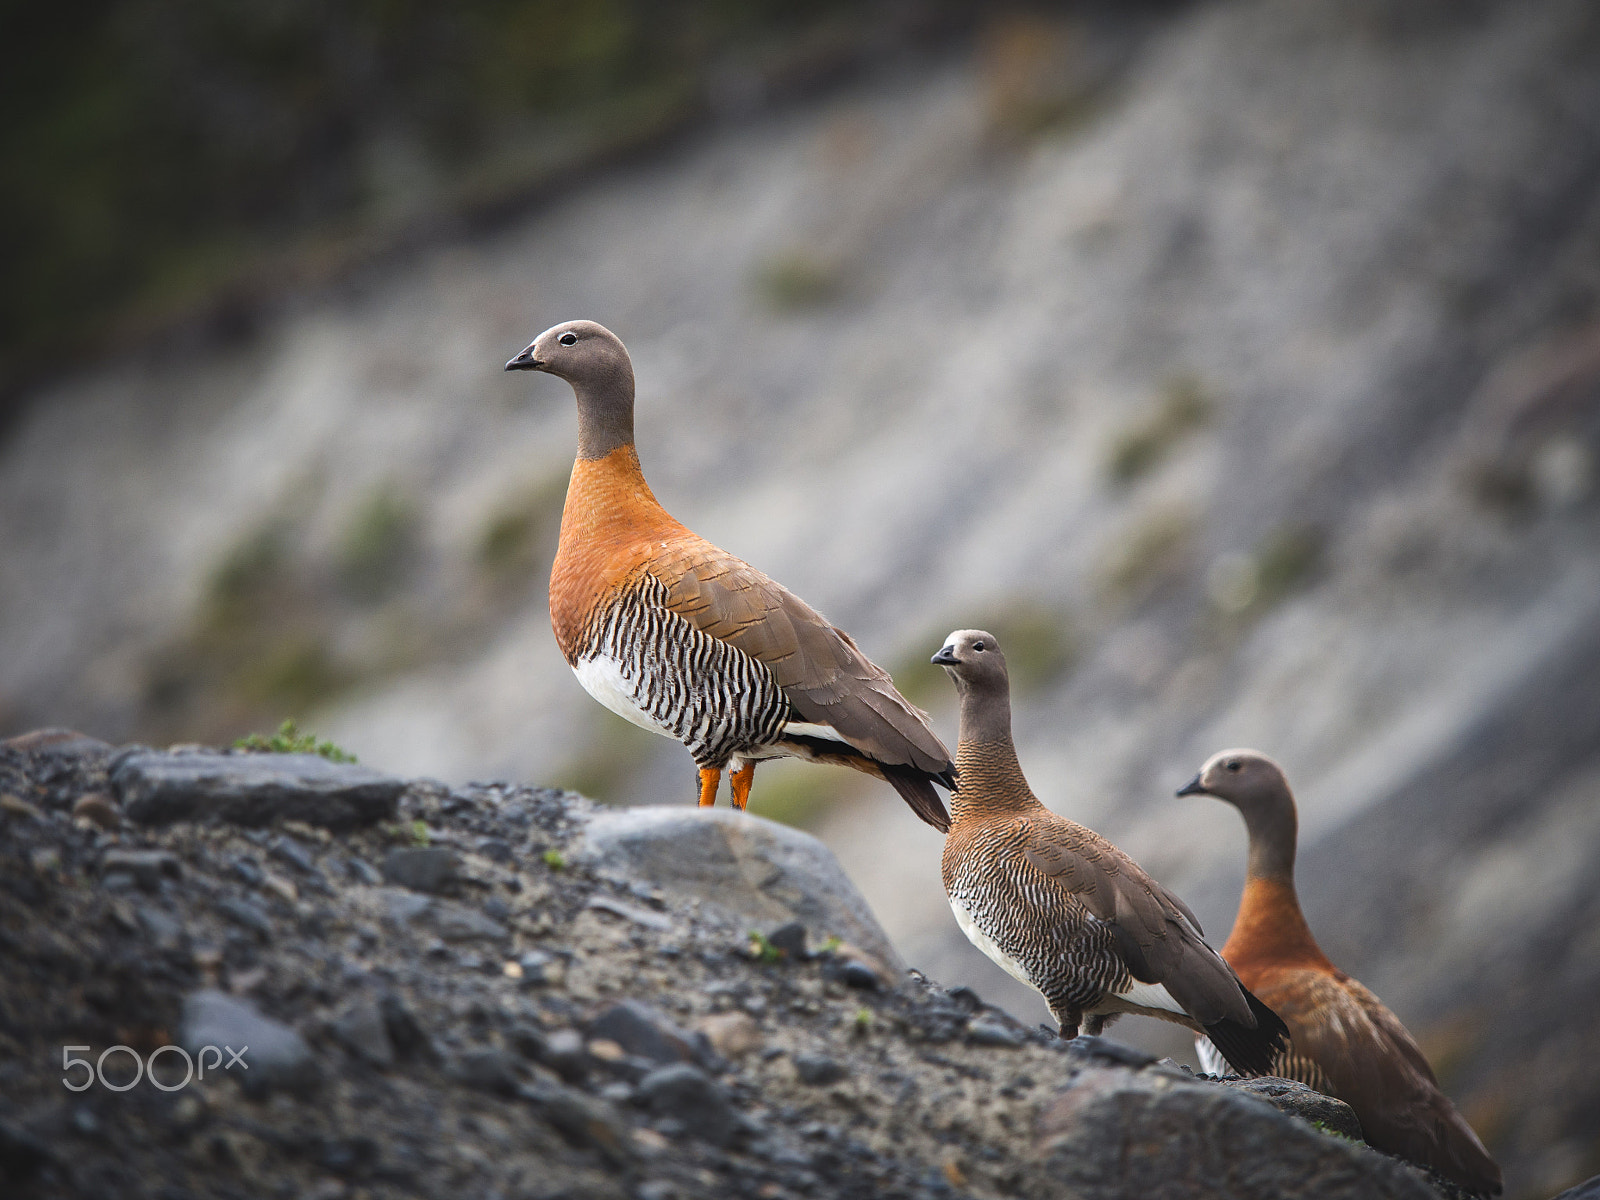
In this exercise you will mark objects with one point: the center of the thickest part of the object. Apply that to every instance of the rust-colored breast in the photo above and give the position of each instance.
(612, 530)
(1270, 935)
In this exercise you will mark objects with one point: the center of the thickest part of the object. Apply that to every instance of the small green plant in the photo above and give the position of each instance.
(1184, 408)
(863, 1021)
(521, 529)
(554, 859)
(762, 949)
(1248, 584)
(289, 740)
(1039, 635)
(378, 542)
(1324, 1127)
(419, 833)
(1289, 556)
(246, 574)
(831, 946)
(1039, 643)
(796, 280)
(1148, 555)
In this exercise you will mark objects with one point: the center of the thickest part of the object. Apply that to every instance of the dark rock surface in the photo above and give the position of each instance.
(1114, 1133)
(572, 1021)
(251, 789)
(1298, 1100)
(272, 1055)
(422, 868)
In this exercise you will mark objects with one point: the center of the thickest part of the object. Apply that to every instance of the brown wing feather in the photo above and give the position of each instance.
(1159, 937)
(827, 679)
(1370, 1061)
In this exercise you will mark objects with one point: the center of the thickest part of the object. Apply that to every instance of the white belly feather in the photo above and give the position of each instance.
(1152, 995)
(602, 678)
(984, 942)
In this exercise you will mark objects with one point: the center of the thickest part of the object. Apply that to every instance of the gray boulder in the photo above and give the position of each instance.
(690, 1095)
(756, 872)
(272, 1056)
(643, 1032)
(1296, 1099)
(1113, 1133)
(158, 788)
(422, 868)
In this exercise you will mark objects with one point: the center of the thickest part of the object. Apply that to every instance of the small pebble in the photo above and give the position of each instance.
(818, 1069)
(732, 1034)
(857, 974)
(287, 850)
(990, 1030)
(280, 886)
(789, 939)
(606, 1050)
(16, 806)
(249, 870)
(363, 872)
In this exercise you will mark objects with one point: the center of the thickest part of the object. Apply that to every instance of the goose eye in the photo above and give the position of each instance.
(568, 339)
(1234, 765)
(979, 646)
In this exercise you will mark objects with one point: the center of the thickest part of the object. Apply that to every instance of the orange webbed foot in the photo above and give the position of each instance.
(741, 781)
(710, 781)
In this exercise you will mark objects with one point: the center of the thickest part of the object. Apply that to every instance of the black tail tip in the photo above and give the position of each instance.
(1252, 1052)
(916, 789)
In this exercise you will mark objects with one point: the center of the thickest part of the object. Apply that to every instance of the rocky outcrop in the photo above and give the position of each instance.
(250, 790)
(750, 872)
(577, 1007)
(1112, 1133)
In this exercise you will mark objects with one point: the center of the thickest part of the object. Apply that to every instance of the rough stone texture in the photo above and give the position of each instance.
(688, 1094)
(993, 1029)
(147, 867)
(549, 1046)
(1298, 1100)
(422, 868)
(1154, 1134)
(273, 1055)
(756, 872)
(251, 789)
(362, 1030)
(57, 741)
(644, 1032)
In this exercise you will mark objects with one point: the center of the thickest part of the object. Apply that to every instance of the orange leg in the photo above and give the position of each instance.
(710, 781)
(741, 781)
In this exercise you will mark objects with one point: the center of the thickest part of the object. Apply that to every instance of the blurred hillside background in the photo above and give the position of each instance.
(1238, 363)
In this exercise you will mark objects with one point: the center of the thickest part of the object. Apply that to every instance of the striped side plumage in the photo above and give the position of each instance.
(712, 697)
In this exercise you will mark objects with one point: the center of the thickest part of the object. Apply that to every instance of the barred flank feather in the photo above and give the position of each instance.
(713, 698)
